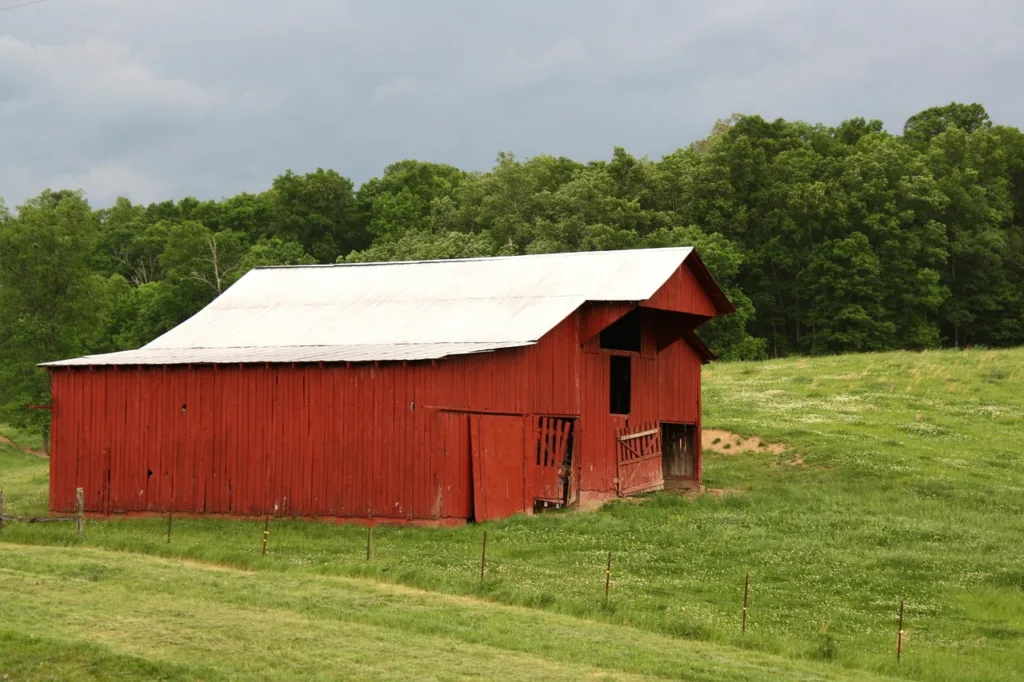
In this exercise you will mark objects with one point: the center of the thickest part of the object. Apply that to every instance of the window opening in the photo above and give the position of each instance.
(623, 334)
(620, 384)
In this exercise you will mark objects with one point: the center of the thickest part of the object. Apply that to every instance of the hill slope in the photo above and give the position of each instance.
(902, 478)
(103, 614)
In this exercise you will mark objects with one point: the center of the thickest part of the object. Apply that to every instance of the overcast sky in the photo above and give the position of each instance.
(158, 99)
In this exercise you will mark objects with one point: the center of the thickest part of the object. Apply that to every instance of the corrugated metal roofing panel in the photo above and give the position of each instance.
(472, 304)
(370, 323)
(220, 356)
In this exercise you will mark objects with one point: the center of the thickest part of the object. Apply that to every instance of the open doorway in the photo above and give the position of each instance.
(552, 473)
(678, 452)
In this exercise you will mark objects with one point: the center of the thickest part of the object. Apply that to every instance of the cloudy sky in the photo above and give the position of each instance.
(157, 99)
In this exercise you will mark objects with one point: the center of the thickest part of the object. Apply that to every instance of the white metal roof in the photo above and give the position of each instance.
(400, 310)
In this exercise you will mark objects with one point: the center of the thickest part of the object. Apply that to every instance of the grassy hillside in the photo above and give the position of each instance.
(136, 615)
(902, 479)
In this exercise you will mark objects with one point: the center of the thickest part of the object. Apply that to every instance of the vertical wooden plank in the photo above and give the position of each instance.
(352, 485)
(218, 497)
(276, 436)
(237, 415)
(332, 452)
(377, 435)
(254, 444)
(498, 454)
(343, 412)
(128, 463)
(414, 378)
(57, 459)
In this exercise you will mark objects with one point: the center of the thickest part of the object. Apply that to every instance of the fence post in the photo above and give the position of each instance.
(170, 520)
(266, 533)
(899, 635)
(483, 558)
(746, 594)
(369, 541)
(608, 578)
(80, 504)
(1, 509)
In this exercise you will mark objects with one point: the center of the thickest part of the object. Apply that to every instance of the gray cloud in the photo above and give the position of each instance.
(156, 100)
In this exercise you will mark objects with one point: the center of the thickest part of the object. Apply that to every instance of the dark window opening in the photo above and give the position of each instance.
(623, 334)
(620, 383)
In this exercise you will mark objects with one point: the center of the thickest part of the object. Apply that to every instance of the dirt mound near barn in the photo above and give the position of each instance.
(727, 443)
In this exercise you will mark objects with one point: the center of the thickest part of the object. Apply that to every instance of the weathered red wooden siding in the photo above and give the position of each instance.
(679, 384)
(682, 293)
(594, 316)
(554, 366)
(307, 440)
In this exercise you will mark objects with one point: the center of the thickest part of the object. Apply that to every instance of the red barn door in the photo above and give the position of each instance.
(639, 459)
(498, 446)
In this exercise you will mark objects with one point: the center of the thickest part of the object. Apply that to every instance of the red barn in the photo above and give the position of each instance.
(437, 391)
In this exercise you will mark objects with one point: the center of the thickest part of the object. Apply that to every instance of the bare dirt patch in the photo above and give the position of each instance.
(728, 443)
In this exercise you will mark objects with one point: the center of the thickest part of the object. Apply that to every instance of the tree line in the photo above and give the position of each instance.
(827, 239)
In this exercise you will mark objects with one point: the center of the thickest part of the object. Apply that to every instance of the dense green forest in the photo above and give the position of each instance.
(828, 239)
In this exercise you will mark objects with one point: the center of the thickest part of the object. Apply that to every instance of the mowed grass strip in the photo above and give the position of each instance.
(108, 614)
(903, 478)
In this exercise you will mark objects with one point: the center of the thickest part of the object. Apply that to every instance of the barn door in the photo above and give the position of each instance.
(638, 454)
(551, 462)
(679, 442)
(498, 447)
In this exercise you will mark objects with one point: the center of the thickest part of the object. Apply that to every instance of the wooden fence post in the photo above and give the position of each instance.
(170, 520)
(483, 558)
(369, 541)
(80, 504)
(899, 634)
(746, 594)
(608, 578)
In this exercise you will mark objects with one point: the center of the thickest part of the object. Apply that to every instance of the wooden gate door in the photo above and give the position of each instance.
(498, 447)
(638, 451)
(550, 465)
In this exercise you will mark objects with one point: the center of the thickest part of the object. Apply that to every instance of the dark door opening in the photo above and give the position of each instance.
(552, 475)
(620, 392)
(678, 451)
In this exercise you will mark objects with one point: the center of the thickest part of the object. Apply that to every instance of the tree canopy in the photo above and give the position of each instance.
(827, 239)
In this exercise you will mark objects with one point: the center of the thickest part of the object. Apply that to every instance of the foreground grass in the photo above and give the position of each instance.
(903, 480)
(91, 613)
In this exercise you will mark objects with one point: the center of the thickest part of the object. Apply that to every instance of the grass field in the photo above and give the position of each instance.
(903, 479)
(21, 437)
(145, 616)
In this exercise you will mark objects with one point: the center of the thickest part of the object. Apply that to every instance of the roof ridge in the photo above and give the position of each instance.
(562, 254)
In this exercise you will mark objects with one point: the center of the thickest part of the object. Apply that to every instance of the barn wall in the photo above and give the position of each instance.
(554, 366)
(665, 386)
(682, 293)
(679, 383)
(337, 441)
